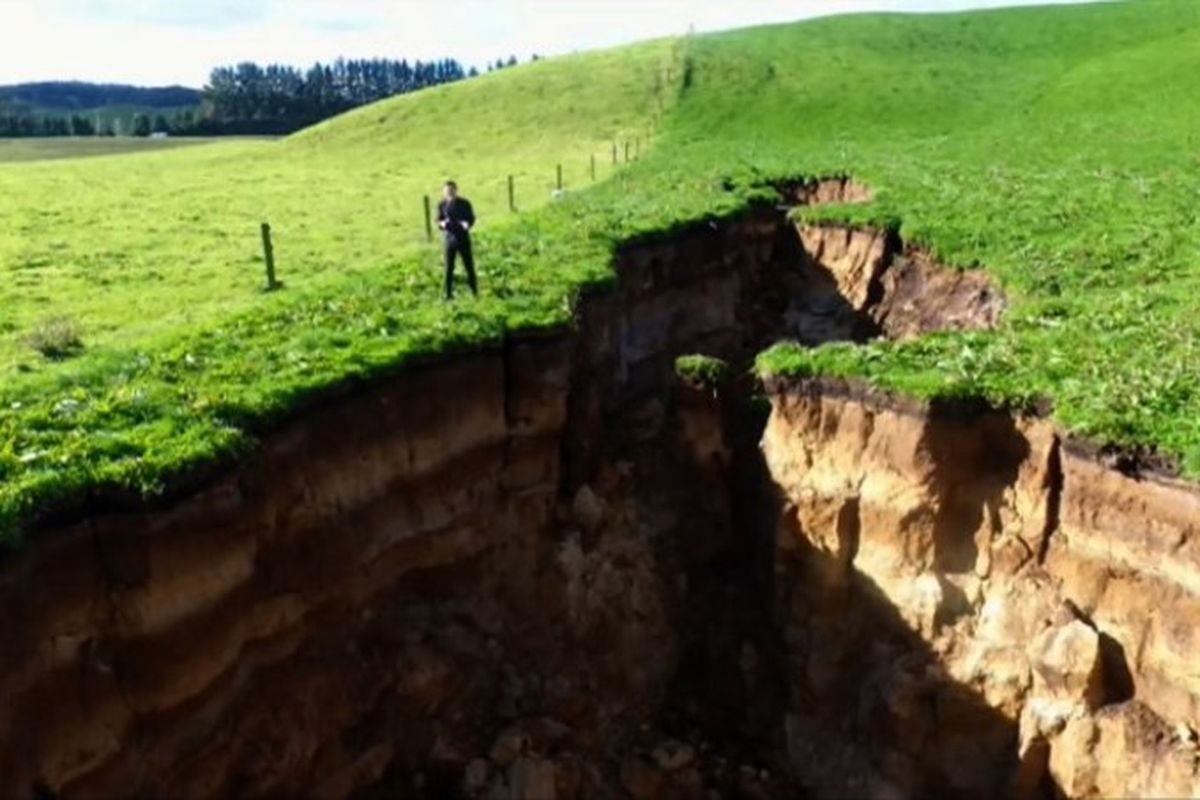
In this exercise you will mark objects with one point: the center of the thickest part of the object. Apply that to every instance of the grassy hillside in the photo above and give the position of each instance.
(156, 259)
(1057, 146)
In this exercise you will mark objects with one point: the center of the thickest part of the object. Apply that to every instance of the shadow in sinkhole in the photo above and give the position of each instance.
(794, 665)
(976, 436)
(804, 667)
(816, 312)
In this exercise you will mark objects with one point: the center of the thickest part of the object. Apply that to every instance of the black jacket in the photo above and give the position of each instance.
(452, 214)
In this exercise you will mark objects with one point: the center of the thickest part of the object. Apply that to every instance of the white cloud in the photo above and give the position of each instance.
(179, 41)
(209, 14)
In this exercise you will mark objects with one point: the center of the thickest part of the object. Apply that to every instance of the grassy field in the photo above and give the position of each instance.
(56, 148)
(1056, 146)
(156, 260)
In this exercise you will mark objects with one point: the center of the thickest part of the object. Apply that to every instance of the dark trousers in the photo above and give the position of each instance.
(459, 246)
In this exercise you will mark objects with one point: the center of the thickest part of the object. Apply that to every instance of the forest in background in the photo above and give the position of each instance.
(245, 99)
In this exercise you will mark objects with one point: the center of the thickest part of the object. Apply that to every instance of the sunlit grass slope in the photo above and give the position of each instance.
(137, 247)
(1060, 148)
(1056, 146)
(158, 259)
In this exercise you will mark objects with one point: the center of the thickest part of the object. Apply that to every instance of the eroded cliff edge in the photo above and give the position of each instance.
(551, 570)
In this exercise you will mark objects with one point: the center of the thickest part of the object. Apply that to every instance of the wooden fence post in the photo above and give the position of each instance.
(560, 183)
(512, 194)
(428, 220)
(269, 258)
(626, 151)
(614, 152)
(593, 167)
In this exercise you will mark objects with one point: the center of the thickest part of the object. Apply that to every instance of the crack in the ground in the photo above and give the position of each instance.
(1054, 493)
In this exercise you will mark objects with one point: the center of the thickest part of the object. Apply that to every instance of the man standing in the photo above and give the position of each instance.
(456, 218)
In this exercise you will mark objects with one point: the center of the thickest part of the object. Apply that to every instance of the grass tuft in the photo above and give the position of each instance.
(702, 371)
(56, 338)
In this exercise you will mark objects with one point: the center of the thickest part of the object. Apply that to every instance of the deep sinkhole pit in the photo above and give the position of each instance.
(557, 568)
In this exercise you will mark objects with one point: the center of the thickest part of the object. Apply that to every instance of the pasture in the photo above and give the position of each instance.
(1056, 146)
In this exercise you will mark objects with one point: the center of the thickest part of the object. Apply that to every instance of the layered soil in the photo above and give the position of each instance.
(555, 570)
(470, 579)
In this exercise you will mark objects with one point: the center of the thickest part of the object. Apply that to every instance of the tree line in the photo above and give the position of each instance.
(24, 124)
(250, 99)
(73, 108)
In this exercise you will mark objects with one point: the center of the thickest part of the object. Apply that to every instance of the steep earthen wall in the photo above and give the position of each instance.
(394, 578)
(974, 609)
(228, 641)
(889, 289)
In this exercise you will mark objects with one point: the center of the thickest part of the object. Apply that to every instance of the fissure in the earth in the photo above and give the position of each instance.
(595, 577)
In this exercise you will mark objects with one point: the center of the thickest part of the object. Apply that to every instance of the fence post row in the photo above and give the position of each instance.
(512, 204)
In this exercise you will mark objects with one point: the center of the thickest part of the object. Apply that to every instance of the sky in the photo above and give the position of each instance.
(162, 42)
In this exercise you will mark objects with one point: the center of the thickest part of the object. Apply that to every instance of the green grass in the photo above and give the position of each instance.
(702, 371)
(55, 148)
(1056, 146)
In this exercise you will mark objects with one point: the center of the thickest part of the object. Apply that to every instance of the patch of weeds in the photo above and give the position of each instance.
(56, 338)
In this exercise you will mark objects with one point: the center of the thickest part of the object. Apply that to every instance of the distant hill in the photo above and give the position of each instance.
(67, 97)
(245, 99)
(76, 108)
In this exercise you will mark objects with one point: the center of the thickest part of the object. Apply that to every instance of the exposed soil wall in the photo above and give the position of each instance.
(231, 644)
(974, 608)
(863, 282)
(408, 580)
(553, 570)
